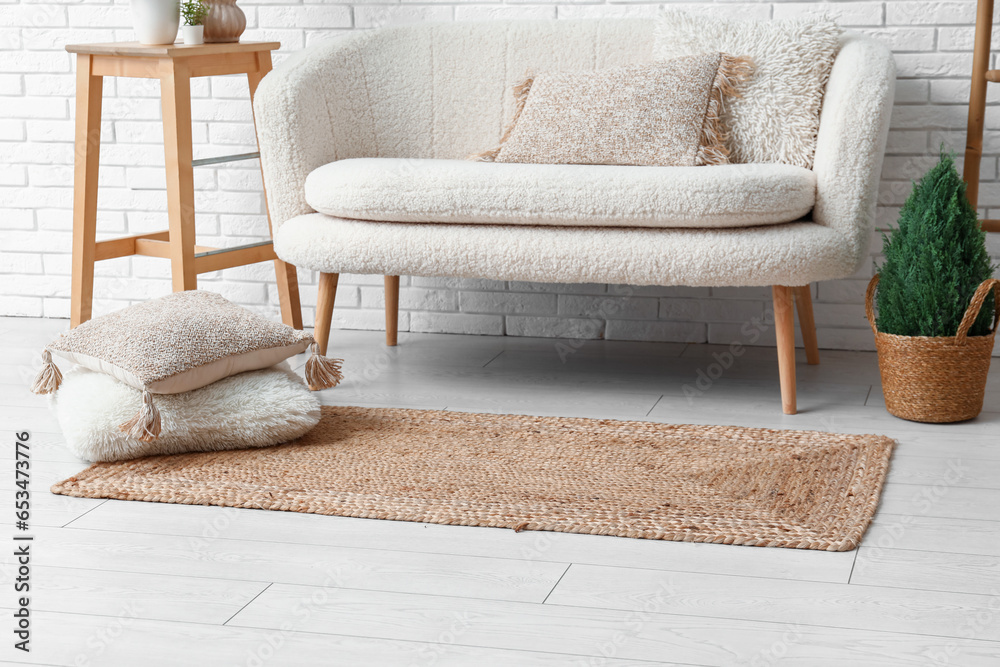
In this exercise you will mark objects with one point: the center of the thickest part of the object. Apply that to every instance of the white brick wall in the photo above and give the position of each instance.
(932, 41)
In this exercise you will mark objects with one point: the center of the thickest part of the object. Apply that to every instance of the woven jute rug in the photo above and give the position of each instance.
(723, 484)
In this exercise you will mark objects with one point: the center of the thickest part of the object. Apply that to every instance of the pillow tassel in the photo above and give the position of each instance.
(322, 372)
(732, 72)
(521, 91)
(49, 378)
(145, 426)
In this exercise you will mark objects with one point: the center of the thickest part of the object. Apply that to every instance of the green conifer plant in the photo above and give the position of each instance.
(934, 260)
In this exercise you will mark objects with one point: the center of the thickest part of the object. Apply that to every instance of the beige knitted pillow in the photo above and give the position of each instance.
(178, 343)
(664, 114)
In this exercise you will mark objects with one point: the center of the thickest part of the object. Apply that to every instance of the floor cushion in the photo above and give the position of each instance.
(253, 409)
(177, 343)
(467, 192)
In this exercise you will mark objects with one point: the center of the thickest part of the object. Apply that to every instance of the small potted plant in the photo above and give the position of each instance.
(938, 305)
(194, 12)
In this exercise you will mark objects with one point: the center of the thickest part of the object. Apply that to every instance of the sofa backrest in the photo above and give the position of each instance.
(444, 90)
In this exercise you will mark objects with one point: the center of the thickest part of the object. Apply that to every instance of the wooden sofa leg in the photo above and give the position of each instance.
(804, 304)
(391, 309)
(324, 308)
(784, 328)
(288, 293)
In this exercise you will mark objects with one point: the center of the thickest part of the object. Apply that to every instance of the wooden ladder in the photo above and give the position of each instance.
(981, 76)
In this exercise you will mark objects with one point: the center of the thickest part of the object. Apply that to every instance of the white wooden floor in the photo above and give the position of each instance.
(144, 584)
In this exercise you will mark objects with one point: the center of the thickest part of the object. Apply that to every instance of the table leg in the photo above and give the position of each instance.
(89, 90)
(287, 278)
(175, 91)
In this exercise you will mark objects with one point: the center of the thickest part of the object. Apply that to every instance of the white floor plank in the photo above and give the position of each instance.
(930, 533)
(36, 419)
(246, 560)
(943, 444)
(45, 447)
(689, 368)
(940, 500)
(70, 640)
(149, 595)
(647, 634)
(43, 473)
(501, 397)
(19, 395)
(928, 570)
(27, 356)
(243, 524)
(774, 601)
(945, 471)
(52, 511)
(832, 417)
(606, 374)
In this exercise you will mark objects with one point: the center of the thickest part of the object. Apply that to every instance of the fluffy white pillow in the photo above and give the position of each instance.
(777, 117)
(253, 409)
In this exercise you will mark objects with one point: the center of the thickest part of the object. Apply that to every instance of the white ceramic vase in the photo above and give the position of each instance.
(193, 34)
(156, 21)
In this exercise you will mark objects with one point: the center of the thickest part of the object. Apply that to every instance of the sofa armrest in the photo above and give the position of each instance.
(853, 129)
(304, 111)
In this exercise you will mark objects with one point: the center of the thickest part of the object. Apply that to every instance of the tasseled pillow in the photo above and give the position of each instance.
(775, 119)
(653, 114)
(178, 343)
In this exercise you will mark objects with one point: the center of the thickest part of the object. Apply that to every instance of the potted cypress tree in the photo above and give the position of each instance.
(937, 304)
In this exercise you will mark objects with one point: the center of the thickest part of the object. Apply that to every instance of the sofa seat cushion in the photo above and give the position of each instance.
(467, 192)
(796, 253)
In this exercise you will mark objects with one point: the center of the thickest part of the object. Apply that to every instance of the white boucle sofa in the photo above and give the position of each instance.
(363, 141)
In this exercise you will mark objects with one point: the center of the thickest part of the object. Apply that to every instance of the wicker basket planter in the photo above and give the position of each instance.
(936, 379)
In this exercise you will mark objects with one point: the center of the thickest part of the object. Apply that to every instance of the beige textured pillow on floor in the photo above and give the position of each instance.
(777, 117)
(658, 114)
(178, 343)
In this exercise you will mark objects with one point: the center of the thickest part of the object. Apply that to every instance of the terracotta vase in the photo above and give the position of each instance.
(225, 22)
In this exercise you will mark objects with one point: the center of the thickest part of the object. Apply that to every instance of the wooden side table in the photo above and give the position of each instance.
(174, 65)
